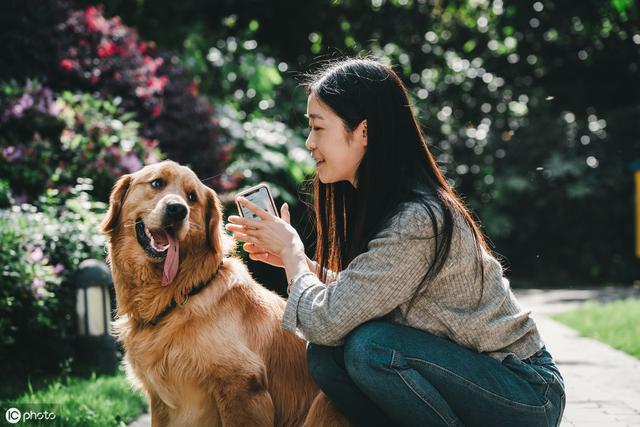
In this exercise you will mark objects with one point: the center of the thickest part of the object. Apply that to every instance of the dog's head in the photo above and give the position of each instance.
(162, 221)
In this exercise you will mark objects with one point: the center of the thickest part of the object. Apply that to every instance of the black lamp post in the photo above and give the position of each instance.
(96, 347)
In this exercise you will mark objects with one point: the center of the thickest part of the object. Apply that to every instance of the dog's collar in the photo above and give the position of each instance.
(191, 292)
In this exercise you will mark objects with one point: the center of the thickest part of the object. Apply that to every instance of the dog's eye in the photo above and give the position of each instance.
(157, 183)
(192, 196)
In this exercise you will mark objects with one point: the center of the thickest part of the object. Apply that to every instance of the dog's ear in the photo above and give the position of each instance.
(217, 238)
(212, 219)
(118, 194)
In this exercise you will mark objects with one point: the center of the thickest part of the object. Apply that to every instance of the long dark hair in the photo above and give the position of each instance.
(396, 163)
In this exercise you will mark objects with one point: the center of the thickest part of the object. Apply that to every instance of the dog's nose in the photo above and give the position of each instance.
(176, 211)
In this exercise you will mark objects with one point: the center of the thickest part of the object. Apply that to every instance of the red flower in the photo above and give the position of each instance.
(156, 111)
(107, 49)
(93, 80)
(94, 19)
(66, 64)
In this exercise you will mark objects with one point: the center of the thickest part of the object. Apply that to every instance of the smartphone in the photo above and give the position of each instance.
(259, 195)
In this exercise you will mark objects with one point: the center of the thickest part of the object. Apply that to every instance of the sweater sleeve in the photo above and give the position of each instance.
(377, 281)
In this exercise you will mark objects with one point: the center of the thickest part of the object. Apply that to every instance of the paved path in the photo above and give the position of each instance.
(603, 384)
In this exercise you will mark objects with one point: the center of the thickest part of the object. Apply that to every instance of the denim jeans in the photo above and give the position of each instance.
(392, 375)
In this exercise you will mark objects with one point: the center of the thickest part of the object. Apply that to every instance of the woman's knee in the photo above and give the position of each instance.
(364, 348)
(321, 362)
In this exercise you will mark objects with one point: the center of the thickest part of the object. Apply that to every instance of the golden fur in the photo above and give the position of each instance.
(221, 359)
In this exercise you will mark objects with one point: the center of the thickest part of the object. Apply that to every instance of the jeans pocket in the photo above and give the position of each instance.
(539, 381)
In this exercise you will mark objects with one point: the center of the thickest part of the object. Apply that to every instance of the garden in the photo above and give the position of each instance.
(531, 110)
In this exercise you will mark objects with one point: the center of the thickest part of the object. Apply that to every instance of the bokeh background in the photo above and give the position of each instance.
(532, 109)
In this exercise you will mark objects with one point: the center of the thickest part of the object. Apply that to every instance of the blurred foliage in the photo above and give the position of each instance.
(81, 50)
(40, 248)
(47, 142)
(531, 108)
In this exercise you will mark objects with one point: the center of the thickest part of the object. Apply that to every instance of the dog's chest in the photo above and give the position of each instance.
(171, 371)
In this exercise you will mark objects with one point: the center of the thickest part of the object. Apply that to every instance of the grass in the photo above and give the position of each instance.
(96, 401)
(615, 323)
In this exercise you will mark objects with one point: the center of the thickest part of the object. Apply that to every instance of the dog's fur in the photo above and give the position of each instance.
(222, 358)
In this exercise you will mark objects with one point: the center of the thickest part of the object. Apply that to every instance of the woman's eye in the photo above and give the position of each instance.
(192, 197)
(157, 183)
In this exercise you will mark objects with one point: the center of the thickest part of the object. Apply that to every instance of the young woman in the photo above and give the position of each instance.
(417, 326)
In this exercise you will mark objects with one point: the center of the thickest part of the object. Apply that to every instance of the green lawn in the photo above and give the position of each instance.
(615, 323)
(95, 401)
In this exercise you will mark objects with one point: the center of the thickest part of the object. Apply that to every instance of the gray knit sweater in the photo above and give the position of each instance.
(380, 282)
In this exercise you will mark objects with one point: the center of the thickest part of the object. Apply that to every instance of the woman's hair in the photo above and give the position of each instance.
(396, 163)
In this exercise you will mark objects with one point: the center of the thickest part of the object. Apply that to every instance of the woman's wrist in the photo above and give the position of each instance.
(313, 266)
(294, 265)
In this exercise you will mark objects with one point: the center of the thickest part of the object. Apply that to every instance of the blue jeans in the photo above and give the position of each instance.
(392, 375)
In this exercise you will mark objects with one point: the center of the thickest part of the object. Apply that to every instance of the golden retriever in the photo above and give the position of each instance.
(201, 337)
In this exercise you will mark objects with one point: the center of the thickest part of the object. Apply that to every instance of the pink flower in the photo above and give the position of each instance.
(36, 254)
(94, 19)
(107, 49)
(150, 158)
(58, 269)
(131, 162)
(66, 64)
(38, 288)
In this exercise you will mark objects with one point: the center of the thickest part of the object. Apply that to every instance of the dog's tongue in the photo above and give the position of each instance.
(171, 261)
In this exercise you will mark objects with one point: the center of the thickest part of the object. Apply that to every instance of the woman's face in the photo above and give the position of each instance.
(336, 151)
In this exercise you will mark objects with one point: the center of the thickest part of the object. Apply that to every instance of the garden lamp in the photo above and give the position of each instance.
(96, 347)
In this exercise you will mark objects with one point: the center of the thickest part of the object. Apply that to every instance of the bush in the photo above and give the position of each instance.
(47, 141)
(40, 248)
(83, 51)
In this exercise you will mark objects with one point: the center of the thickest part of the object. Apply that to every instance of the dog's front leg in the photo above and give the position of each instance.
(243, 400)
(159, 411)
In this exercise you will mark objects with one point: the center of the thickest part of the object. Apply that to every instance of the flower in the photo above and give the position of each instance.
(131, 162)
(36, 254)
(12, 153)
(38, 288)
(107, 49)
(58, 269)
(66, 64)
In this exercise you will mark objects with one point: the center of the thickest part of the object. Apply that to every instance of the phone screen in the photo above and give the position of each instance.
(259, 197)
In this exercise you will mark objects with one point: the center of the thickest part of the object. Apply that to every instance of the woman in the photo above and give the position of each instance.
(418, 327)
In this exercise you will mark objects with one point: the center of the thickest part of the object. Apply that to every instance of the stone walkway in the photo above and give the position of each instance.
(603, 384)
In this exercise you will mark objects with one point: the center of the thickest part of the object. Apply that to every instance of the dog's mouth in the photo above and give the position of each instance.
(160, 244)
(154, 242)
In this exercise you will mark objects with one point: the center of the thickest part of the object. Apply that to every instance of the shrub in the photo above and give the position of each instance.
(103, 53)
(40, 248)
(84, 51)
(48, 141)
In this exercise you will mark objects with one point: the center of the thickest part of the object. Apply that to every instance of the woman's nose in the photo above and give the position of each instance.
(310, 144)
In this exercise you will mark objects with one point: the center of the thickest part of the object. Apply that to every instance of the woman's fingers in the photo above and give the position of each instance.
(243, 221)
(252, 248)
(284, 213)
(264, 215)
(243, 237)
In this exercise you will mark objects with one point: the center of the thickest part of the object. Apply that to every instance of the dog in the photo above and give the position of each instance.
(201, 338)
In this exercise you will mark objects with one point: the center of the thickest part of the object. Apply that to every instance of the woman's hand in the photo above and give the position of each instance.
(272, 240)
(258, 253)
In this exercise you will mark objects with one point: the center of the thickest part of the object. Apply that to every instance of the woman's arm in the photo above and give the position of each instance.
(374, 284)
(315, 267)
